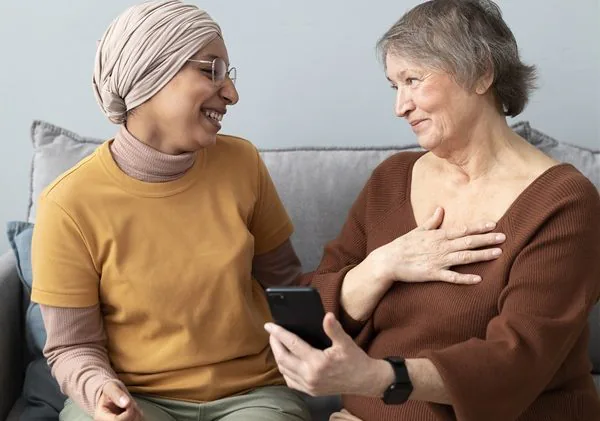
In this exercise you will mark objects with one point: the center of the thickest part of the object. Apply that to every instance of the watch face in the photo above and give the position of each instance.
(397, 394)
(400, 390)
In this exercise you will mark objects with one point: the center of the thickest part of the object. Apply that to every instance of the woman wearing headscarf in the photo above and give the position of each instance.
(143, 252)
(150, 255)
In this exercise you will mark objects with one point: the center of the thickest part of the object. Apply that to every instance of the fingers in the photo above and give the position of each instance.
(287, 364)
(477, 228)
(116, 395)
(466, 257)
(434, 220)
(343, 415)
(476, 241)
(334, 330)
(132, 413)
(292, 342)
(283, 357)
(458, 278)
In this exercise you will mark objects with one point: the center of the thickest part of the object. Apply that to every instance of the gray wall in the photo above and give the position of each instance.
(308, 74)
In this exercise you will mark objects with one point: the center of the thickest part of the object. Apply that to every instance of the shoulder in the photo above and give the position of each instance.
(234, 144)
(392, 176)
(562, 197)
(81, 179)
(565, 186)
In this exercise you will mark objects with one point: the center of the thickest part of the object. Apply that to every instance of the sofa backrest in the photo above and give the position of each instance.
(317, 185)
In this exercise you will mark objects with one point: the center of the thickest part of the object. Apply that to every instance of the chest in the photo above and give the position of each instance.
(464, 205)
(175, 250)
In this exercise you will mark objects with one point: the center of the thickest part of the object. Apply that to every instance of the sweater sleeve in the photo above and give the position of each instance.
(76, 353)
(339, 257)
(553, 283)
(278, 267)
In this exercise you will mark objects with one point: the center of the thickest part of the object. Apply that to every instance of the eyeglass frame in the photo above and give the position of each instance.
(213, 72)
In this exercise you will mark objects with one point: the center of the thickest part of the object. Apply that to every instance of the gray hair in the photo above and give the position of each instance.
(466, 38)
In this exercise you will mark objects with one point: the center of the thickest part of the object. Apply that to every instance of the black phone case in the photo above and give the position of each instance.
(299, 310)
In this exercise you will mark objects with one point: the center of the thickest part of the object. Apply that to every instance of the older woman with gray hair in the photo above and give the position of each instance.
(511, 347)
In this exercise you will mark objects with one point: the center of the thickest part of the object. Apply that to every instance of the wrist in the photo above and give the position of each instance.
(383, 376)
(378, 269)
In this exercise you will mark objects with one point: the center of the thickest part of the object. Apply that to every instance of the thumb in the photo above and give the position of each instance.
(116, 395)
(334, 330)
(435, 220)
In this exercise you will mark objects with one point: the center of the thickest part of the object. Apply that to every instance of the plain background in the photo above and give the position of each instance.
(308, 74)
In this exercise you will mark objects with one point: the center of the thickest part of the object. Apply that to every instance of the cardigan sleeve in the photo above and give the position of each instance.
(543, 310)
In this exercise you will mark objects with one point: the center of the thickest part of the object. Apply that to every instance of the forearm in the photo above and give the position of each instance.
(76, 353)
(426, 380)
(362, 289)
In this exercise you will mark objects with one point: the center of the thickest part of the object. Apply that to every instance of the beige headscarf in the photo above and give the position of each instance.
(143, 49)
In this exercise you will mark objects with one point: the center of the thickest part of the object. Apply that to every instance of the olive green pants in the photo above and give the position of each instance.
(271, 403)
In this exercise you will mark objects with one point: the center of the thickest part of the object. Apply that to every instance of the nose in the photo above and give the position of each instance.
(404, 103)
(228, 92)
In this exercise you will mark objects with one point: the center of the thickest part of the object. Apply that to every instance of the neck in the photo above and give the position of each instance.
(486, 147)
(142, 162)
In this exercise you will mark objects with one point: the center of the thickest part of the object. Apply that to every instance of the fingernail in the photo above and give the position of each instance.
(268, 327)
(490, 225)
(476, 278)
(497, 252)
(500, 237)
(123, 401)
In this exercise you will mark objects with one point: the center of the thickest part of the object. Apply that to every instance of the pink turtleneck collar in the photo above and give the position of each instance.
(140, 161)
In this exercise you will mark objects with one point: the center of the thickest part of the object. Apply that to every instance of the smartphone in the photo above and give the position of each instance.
(300, 311)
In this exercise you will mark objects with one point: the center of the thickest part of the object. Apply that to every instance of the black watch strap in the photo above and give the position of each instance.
(399, 391)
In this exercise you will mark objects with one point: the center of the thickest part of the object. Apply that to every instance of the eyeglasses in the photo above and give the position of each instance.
(218, 70)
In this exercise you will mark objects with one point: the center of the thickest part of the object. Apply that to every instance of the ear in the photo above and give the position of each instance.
(484, 83)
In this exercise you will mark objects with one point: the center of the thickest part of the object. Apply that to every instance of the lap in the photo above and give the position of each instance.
(152, 412)
(272, 403)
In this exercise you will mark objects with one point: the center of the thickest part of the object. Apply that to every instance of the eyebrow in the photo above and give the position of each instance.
(400, 74)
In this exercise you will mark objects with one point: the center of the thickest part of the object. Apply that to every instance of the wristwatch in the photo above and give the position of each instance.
(399, 391)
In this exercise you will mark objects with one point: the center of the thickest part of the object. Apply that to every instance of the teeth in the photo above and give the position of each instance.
(214, 115)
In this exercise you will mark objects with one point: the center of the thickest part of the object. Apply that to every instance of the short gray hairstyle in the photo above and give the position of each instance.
(465, 38)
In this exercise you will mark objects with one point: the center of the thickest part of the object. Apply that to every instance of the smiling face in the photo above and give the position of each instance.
(185, 114)
(440, 111)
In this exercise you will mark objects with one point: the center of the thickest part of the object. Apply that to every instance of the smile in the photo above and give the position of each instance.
(213, 115)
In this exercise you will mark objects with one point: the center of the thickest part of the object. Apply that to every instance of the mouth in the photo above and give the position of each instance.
(214, 116)
(415, 123)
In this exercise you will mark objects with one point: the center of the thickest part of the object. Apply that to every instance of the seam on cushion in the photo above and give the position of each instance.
(61, 131)
(342, 149)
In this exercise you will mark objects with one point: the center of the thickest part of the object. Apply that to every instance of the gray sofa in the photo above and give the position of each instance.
(317, 185)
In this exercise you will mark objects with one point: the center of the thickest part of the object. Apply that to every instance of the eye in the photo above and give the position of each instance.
(394, 87)
(410, 81)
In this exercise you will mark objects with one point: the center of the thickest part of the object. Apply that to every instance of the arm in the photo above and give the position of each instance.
(553, 283)
(76, 353)
(353, 282)
(278, 267)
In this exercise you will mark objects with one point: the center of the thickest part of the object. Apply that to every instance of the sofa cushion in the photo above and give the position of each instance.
(42, 399)
(19, 236)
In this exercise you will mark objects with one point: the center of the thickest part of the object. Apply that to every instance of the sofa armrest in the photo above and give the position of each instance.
(11, 334)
